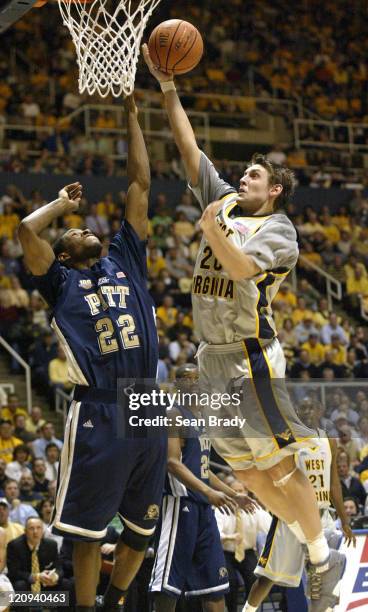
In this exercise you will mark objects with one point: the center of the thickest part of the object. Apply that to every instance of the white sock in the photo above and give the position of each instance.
(318, 549)
(297, 531)
(249, 608)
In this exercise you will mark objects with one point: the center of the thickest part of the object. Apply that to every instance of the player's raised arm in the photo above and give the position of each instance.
(139, 175)
(179, 122)
(38, 254)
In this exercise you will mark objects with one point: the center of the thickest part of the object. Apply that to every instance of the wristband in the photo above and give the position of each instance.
(167, 86)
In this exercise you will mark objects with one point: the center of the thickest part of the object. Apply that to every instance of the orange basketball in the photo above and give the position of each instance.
(175, 46)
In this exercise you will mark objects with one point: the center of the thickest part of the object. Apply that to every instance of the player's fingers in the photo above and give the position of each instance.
(147, 57)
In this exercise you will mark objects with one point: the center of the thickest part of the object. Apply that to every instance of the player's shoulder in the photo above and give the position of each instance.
(281, 220)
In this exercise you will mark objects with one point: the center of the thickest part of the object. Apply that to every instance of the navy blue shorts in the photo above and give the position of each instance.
(189, 556)
(102, 473)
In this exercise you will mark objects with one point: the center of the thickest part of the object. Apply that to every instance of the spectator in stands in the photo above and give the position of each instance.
(333, 327)
(19, 512)
(8, 442)
(301, 312)
(305, 329)
(39, 475)
(167, 311)
(3, 477)
(35, 420)
(45, 509)
(351, 511)
(239, 534)
(351, 486)
(303, 364)
(33, 560)
(12, 529)
(315, 349)
(48, 437)
(52, 453)
(58, 372)
(12, 408)
(347, 443)
(357, 285)
(182, 346)
(20, 430)
(338, 349)
(362, 440)
(20, 464)
(329, 364)
(45, 349)
(27, 494)
(96, 222)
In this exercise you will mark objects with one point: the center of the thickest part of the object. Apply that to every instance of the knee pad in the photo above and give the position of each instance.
(133, 539)
(285, 479)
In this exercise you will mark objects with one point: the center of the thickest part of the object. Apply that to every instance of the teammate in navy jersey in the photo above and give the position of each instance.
(189, 555)
(103, 316)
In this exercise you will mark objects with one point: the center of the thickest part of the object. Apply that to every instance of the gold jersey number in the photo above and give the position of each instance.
(105, 330)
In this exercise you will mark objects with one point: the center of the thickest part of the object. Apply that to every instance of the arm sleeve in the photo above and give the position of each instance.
(14, 564)
(50, 285)
(273, 246)
(128, 248)
(210, 186)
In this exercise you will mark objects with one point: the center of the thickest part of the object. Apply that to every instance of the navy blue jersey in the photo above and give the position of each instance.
(103, 315)
(195, 455)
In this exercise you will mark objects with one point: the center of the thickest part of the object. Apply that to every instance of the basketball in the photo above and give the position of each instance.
(175, 46)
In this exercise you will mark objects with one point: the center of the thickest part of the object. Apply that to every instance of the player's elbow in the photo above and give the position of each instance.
(172, 465)
(24, 231)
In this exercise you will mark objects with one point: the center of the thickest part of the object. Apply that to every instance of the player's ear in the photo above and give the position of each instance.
(276, 190)
(63, 257)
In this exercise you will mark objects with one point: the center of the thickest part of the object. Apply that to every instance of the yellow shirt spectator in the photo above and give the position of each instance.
(155, 264)
(167, 315)
(286, 296)
(12, 531)
(339, 353)
(8, 415)
(8, 223)
(301, 313)
(357, 283)
(8, 444)
(316, 351)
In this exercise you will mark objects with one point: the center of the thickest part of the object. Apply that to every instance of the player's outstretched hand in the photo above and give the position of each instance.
(71, 194)
(222, 501)
(349, 535)
(160, 76)
(246, 503)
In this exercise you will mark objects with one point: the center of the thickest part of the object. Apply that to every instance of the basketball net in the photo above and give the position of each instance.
(107, 36)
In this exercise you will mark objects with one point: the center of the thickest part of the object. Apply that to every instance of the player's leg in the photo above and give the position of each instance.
(258, 593)
(85, 501)
(127, 561)
(208, 576)
(86, 564)
(164, 602)
(213, 604)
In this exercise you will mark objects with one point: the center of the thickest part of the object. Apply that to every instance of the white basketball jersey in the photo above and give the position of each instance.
(316, 462)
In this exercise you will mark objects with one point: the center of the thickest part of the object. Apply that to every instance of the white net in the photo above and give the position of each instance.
(107, 35)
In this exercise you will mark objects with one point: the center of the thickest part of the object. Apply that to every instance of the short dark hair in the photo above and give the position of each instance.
(278, 175)
(21, 448)
(51, 445)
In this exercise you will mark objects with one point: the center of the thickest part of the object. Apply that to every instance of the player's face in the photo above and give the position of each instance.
(82, 245)
(255, 189)
(308, 413)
